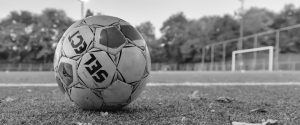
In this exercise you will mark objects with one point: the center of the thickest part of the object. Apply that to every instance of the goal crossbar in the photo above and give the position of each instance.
(270, 48)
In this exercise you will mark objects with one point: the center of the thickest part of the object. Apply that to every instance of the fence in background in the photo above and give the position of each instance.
(217, 66)
(219, 53)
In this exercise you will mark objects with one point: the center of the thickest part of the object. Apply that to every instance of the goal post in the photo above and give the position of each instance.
(267, 48)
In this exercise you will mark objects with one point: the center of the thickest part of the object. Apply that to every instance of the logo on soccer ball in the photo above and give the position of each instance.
(77, 42)
(95, 68)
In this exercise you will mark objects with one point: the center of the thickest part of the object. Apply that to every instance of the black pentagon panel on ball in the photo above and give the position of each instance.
(60, 85)
(138, 87)
(66, 73)
(130, 32)
(112, 37)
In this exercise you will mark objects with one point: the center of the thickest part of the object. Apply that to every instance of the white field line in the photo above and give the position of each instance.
(220, 84)
(28, 84)
(154, 84)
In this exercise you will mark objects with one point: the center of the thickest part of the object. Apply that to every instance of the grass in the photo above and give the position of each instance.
(160, 105)
(157, 105)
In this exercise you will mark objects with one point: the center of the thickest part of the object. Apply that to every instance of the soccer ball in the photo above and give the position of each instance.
(101, 62)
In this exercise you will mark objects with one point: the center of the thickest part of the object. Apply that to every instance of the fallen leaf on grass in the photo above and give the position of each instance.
(34, 99)
(244, 123)
(192, 106)
(9, 99)
(183, 119)
(29, 90)
(259, 110)
(265, 122)
(223, 99)
(194, 95)
(210, 105)
(104, 113)
(271, 122)
(80, 123)
(186, 121)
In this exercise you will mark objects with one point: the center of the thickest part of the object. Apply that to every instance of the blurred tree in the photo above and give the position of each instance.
(174, 36)
(189, 50)
(205, 31)
(26, 36)
(148, 32)
(287, 17)
(258, 20)
(52, 25)
(197, 36)
(225, 28)
(14, 34)
(289, 40)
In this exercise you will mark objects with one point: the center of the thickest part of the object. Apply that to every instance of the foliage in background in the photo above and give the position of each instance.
(26, 37)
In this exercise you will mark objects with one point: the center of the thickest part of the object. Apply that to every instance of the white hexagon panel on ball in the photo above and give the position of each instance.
(104, 20)
(132, 64)
(67, 71)
(117, 94)
(96, 69)
(77, 41)
(109, 39)
(85, 98)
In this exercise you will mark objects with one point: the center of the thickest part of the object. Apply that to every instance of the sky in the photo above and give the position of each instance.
(138, 11)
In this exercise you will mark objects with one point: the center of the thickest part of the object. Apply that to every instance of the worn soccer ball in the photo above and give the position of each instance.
(101, 63)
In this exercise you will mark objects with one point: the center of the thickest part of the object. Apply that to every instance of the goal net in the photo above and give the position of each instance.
(253, 59)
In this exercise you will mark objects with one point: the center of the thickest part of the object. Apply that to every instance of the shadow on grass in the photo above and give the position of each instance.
(129, 109)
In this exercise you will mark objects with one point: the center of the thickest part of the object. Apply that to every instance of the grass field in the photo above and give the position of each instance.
(211, 105)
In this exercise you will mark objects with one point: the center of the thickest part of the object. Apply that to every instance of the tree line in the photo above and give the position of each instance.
(26, 37)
